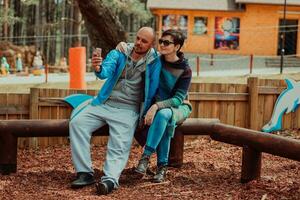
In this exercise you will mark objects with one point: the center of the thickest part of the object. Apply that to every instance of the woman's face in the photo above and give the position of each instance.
(167, 46)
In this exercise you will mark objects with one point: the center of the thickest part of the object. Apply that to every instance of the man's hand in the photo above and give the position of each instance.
(97, 60)
(150, 114)
(121, 47)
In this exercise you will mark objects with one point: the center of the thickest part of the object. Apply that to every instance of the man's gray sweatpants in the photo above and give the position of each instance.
(122, 124)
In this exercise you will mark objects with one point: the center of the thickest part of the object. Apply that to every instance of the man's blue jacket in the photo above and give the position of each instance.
(112, 68)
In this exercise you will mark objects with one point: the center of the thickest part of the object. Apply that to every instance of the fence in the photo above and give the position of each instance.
(222, 64)
(245, 105)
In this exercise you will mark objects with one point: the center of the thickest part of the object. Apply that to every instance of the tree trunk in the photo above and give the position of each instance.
(5, 25)
(76, 41)
(11, 25)
(103, 27)
(62, 29)
(37, 24)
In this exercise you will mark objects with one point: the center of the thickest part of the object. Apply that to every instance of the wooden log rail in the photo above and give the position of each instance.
(254, 141)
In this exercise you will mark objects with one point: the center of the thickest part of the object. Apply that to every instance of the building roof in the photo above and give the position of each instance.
(211, 4)
(193, 4)
(276, 2)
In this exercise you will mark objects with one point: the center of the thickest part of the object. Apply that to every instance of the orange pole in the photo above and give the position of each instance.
(77, 62)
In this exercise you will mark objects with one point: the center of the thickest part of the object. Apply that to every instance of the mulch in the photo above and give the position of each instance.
(211, 170)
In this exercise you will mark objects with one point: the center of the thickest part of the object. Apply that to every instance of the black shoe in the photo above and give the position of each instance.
(105, 187)
(160, 174)
(143, 165)
(83, 179)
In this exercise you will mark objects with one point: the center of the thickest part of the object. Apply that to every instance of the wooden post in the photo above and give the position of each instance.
(34, 112)
(253, 102)
(251, 63)
(251, 164)
(8, 153)
(176, 150)
(251, 161)
(198, 65)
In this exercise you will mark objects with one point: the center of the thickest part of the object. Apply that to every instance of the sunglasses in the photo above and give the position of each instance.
(165, 42)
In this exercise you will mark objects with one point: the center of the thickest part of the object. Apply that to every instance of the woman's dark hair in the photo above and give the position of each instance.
(178, 37)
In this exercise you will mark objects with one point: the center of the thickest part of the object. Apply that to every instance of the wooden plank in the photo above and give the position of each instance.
(231, 106)
(33, 113)
(64, 113)
(215, 112)
(44, 113)
(3, 101)
(34, 100)
(13, 99)
(201, 105)
(253, 102)
(268, 108)
(207, 105)
(218, 96)
(54, 114)
(240, 113)
(260, 110)
(14, 110)
(24, 101)
(297, 125)
(270, 90)
(195, 104)
(223, 105)
(92, 92)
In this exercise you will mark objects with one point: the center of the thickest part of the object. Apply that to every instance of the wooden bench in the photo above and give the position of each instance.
(252, 142)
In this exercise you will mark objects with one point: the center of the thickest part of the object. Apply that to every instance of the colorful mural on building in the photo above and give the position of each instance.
(227, 33)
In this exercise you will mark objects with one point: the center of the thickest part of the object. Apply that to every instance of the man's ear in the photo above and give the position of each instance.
(153, 43)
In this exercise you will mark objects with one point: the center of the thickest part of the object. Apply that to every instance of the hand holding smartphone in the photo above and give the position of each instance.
(97, 59)
(98, 51)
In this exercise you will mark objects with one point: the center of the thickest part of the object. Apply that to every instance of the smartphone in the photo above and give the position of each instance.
(97, 51)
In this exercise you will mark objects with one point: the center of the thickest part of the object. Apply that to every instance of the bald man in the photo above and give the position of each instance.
(131, 82)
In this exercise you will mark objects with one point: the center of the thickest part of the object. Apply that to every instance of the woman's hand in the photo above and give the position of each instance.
(150, 114)
(121, 47)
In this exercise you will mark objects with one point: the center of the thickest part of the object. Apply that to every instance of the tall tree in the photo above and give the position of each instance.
(5, 25)
(7, 17)
(76, 41)
(103, 27)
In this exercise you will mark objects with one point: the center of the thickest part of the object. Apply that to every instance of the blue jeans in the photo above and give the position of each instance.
(158, 140)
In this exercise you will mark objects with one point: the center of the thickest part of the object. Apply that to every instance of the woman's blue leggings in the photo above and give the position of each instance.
(158, 139)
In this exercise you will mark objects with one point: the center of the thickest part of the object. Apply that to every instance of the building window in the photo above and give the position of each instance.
(200, 25)
(177, 22)
(227, 33)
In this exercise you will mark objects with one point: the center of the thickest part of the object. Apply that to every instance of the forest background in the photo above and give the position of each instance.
(53, 26)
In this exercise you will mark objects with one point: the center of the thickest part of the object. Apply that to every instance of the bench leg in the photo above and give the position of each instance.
(176, 150)
(8, 153)
(251, 165)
